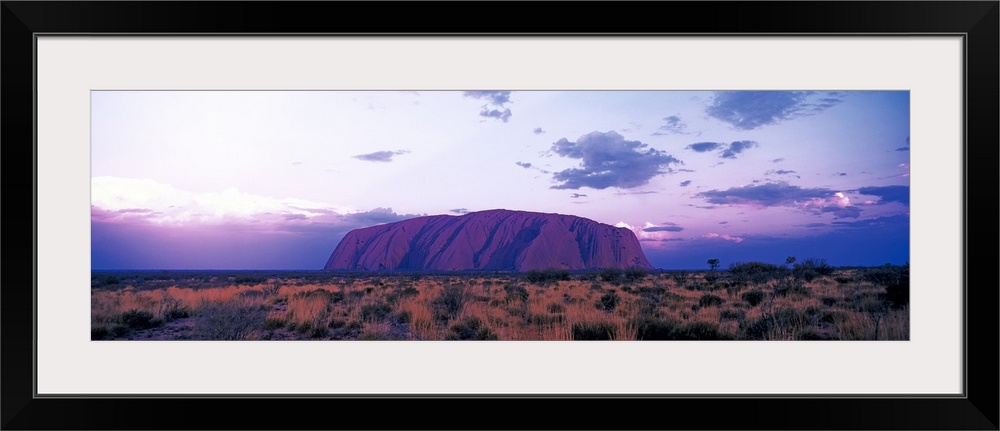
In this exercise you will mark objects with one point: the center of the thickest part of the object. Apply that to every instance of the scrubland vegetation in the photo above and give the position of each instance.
(749, 301)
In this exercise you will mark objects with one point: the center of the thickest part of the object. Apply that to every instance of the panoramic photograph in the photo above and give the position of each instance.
(500, 215)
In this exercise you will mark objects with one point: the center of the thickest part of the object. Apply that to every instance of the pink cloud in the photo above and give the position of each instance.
(735, 239)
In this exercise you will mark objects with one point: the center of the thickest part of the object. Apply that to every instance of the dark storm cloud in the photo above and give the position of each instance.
(608, 160)
(768, 194)
(748, 110)
(524, 165)
(685, 183)
(494, 97)
(496, 113)
(380, 156)
(736, 148)
(538, 131)
(888, 194)
(663, 229)
(702, 147)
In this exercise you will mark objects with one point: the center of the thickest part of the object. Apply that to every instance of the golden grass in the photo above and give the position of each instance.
(377, 307)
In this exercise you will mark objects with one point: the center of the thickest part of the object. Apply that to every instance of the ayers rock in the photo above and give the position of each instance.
(500, 240)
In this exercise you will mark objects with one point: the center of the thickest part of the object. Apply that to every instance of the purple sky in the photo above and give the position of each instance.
(273, 180)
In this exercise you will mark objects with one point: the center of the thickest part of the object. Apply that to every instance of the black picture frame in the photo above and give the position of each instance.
(976, 21)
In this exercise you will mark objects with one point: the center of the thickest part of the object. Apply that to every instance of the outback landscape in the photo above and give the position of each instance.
(806, 300)
(500, 215)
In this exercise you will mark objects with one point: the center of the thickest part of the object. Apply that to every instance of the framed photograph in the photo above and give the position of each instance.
(258, 207)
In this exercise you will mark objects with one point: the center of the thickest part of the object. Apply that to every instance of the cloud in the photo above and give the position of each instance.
(608, 160)
(736, 148)
(495, 98)
(380, 156)
(673, 126)
(780, 172)
(728, 152)
(842, 174)
(672, 239)
(877, 222)
(906, 148)
(815, 225)
(767, 194)
(780, 159)
(496, 113)
(702, 147)
(842, 212)
(524, 165)
(577, 195)
(749, 110)
(538, 131)
(781, 194)
(460, 211)
(888, 194)
(663, 229)
(735, 239)
(498, 98)
(685, 183)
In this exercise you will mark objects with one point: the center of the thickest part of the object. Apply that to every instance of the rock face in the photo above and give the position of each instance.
(489, 240)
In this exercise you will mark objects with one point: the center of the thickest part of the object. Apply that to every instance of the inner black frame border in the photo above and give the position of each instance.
(976, 21)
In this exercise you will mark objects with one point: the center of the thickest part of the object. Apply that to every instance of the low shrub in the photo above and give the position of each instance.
(608, 301)
(699, 331)
(230, 320)
(375, 312)
(655, 329)
(470, 329)
(138, 319)
(753, 297)
(591, 331)
(542, 276)
(709, 300)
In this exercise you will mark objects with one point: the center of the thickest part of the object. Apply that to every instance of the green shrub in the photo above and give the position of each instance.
(608, 301)
(709, 300)
(138, 319)
(541, 276)
(470, 328)
(655, 329)
(699, 331)
(99, 333)
(811, 268)
(516, 292)
(451, 301)
(753, 297)
(898, 293)
(375, 312)
(612, 275)
(593, 331)
(730, 314)
(635, 274)
(230, 320)
(755, 272)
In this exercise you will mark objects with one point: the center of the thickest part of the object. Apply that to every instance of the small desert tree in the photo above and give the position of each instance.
(714, 264)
